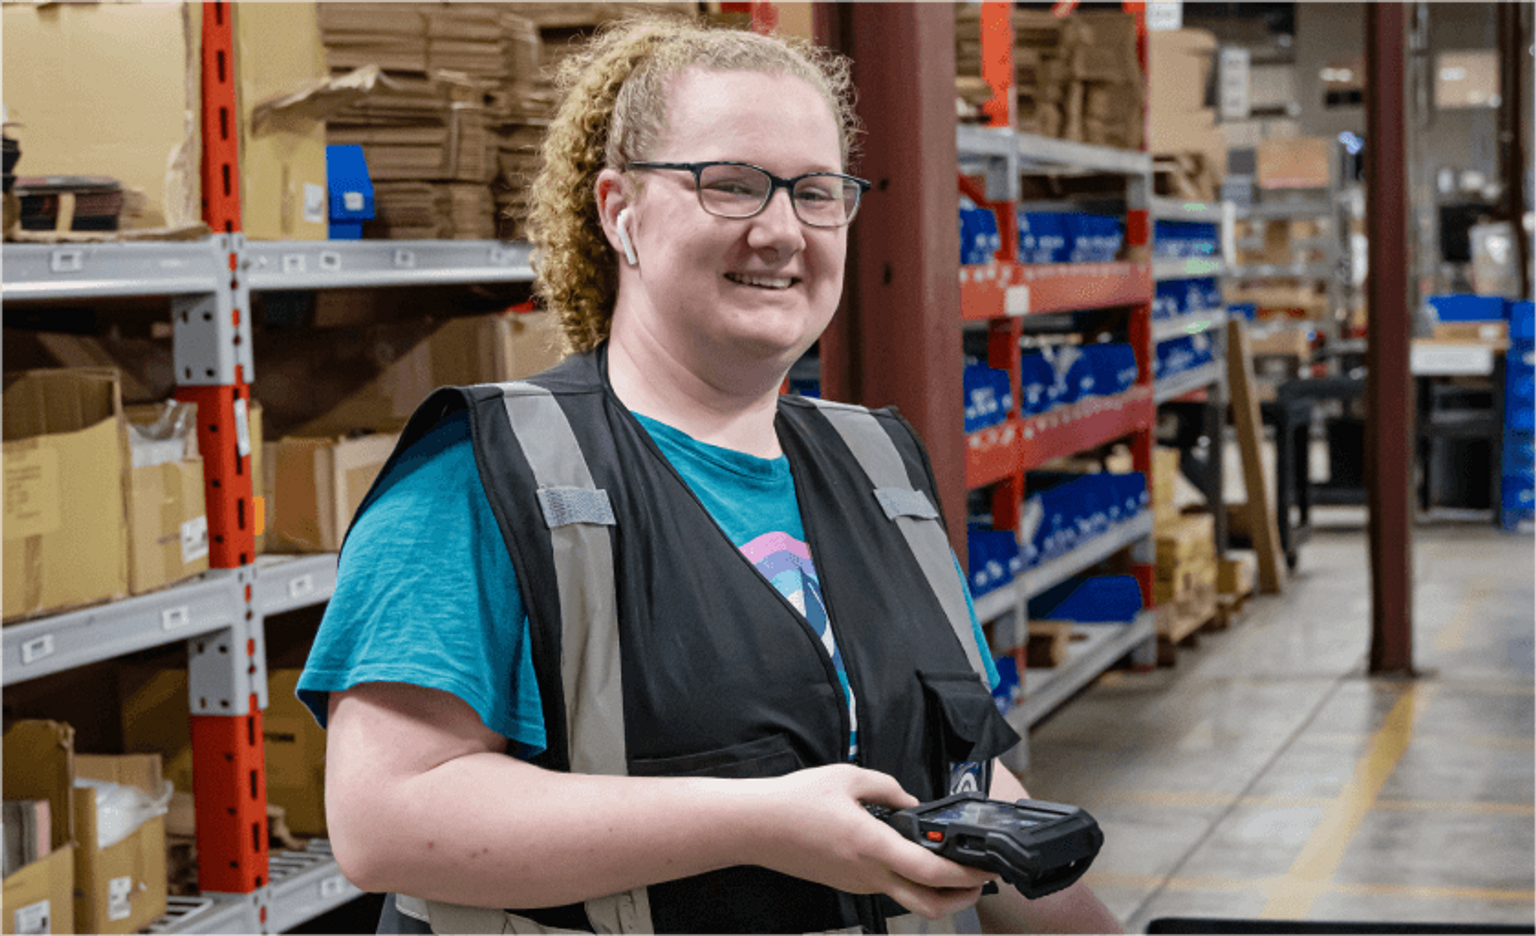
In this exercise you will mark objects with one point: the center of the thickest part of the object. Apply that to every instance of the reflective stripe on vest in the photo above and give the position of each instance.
(577, 513)
(912, 513)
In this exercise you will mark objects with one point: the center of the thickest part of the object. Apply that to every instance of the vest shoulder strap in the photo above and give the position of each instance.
(911, 510)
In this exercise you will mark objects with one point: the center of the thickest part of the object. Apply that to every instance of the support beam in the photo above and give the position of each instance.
(896, 340)
(1389, 449)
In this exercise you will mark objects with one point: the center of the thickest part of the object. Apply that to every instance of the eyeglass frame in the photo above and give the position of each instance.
(774, 184)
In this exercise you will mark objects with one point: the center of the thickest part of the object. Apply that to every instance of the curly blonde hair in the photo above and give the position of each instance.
(614, 112)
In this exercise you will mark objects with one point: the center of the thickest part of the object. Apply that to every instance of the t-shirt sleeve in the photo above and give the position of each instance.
(426, 595)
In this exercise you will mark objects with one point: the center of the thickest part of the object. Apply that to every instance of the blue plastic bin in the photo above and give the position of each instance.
(351, 191)
(1522, 321)
(1464, 308)
(1094, 599)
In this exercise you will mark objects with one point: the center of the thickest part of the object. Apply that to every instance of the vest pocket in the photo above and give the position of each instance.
(771, 756)
(964, 725)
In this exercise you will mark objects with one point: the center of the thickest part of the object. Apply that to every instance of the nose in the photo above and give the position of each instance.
(777, 227)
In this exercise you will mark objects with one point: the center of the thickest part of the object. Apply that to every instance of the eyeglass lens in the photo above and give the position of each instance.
(741, 191)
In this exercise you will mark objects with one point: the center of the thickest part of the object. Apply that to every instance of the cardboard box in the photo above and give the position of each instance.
(457, 352)
(155, 715)
(283, 191)
(1466, 79)
(295, 749)
(119, 889)
(1298, 162)
(1179, 65)
(75, 114)
(315, 486)
(167, 515)
(66, 67)
(1492, 333)
(40, 898)
(64, 524)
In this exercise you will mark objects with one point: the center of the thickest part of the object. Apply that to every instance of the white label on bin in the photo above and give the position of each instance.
(120, 898)
(353, 201)
(332, 887)
(242, 427)
(301, 585)
(177, 617)
(1016, 300)
(34, 918)
(314, 203)
(194, 539)
(37, 649)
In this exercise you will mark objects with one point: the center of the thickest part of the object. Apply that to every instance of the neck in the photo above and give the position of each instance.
(732, 407)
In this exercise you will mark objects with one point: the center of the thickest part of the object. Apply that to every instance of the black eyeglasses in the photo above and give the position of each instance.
(742, 190)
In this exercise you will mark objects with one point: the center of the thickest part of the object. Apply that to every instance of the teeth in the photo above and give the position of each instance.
(767, 282)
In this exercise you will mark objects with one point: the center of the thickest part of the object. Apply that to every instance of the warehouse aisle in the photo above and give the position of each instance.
(1265, 777)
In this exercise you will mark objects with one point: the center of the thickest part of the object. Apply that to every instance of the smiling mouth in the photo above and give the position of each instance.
(763, 282)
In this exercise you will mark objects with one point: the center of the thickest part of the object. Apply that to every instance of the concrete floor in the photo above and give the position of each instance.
(1265, 776)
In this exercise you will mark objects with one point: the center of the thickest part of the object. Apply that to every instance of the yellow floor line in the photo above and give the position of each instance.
(1310, 874)
(1106, 880)
(1205, 798)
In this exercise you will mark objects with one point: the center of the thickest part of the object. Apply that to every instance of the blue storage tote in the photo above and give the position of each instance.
(1463, 308)
(351, 191)
(1522, 321)
(1090, 600)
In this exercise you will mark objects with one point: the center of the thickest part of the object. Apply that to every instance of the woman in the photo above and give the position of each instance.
(554, 569)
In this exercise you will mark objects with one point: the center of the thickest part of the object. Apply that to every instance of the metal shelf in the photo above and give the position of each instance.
(1055, 571)
(223, 913)
(42, 272)
(1176, 209)
(1190, 323)
(1171, 388)
(306, 884)
(1297, 270)
(1101, 645)
(1300, 209)
(365, 263)
(210, 602)
(998, 602)
(286, 583)
(1169, 268)
(1046, 153)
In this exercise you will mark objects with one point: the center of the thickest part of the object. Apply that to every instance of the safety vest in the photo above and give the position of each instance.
(638, 603)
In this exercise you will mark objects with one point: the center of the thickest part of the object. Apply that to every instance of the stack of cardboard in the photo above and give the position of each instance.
(1185, 588)
(1189, 150)
(1279, 241)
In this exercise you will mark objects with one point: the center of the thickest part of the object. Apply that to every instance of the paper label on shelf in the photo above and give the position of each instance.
(31, 491)
(34, 918)
(1233, 69)
(333, 887)
(39, 648)
(120, 898)
(1016, 300)
(194, 539)
(314, 203)
(177, 617)
(1165, 15)
(242, 427)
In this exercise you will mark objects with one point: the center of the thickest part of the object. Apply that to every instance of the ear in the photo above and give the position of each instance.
(613, 194)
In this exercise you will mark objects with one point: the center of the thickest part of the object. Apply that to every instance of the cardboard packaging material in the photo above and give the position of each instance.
(40, 897)
(167, 516)
(75, 114)
(64, 525)
(283, 191)
(120, 889)
(374, 378)
(1296, 162)
(154, 718)
(1495, 334)
(315, 487)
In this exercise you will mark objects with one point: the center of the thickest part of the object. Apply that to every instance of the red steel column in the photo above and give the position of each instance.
(1389, 448)
(896, 340)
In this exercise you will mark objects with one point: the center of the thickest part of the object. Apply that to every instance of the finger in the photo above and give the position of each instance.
(930, 902)
(923, 867)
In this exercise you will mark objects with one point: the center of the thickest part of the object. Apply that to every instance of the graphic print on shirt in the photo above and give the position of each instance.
(786, 562)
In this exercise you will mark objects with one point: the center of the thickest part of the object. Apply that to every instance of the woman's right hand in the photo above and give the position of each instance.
(814, 826)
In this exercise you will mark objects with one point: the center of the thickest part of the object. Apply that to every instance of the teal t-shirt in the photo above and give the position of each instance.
(426, 594)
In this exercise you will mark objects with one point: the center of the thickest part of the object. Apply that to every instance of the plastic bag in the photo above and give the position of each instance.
(121, 809)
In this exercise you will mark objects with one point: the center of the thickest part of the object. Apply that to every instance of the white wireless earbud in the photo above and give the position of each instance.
(622, 223)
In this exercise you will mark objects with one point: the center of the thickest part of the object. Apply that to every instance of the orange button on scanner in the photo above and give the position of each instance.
(935, 836)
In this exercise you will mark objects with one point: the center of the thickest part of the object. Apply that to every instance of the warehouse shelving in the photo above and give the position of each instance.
(1007, 296)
